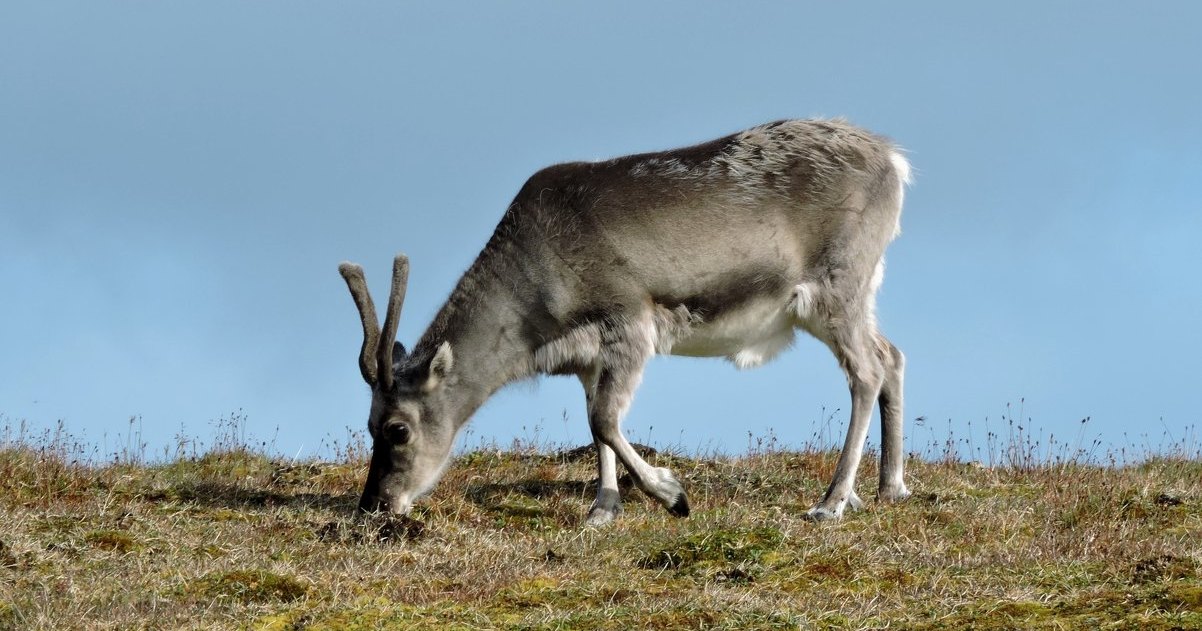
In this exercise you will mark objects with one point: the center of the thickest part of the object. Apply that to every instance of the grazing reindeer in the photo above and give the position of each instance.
(720, 249)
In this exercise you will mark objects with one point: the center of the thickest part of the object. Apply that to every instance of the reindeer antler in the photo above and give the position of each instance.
(353, 275)
(396, 298)
(375, 358)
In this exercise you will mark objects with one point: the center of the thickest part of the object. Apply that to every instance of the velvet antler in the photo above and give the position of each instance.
(396, 298)
(375, 358)
(353, 275)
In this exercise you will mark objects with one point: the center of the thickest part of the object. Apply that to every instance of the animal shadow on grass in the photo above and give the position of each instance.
(491, 494)
(530, 500)
(350, 527)
(232, 496)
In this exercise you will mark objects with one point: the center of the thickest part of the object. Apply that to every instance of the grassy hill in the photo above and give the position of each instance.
(234, 539)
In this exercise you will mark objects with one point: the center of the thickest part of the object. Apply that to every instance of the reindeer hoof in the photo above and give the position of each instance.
(605, 509)
(892, 495)
(819, 513)
(598, 517)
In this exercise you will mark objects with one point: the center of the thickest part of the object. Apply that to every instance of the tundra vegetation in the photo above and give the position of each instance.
(1020, 532)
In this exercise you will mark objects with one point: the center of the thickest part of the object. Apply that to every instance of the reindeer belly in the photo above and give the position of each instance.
(749, 335)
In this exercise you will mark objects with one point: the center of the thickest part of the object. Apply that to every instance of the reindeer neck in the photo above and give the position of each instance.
(484, 322)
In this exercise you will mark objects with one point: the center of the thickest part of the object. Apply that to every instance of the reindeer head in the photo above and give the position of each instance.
(411, 432)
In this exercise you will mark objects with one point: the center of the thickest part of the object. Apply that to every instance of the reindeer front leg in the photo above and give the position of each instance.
(619, 370)
(608, 504)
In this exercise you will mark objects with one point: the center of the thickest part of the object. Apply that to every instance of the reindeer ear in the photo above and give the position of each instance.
(440, 367)
(398, 353)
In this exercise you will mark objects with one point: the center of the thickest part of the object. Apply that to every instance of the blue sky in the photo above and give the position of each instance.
(179, 181)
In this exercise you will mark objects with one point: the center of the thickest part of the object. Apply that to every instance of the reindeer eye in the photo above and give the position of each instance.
(396, 432)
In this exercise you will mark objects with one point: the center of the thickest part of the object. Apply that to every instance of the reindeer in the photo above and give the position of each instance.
(722, 249)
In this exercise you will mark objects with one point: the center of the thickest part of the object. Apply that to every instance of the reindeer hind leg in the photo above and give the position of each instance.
(852, 341)
(892, 479)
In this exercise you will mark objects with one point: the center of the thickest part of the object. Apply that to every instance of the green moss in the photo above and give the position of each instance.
(533, 592)
(114, 540)
(1023, 610)
(249, 586)
(523, 512)
(286, 621)
(736, 546)
(57, 525)
(1167, 566)
(208, 551)
(705, 617)
(1149, 608)
(1006, 615)
(371, 616)
(829, 567)
(1185, 596)
(617, 615)
(8, 616)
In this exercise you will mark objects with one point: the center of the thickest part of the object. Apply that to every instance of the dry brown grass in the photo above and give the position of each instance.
(232, 538)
